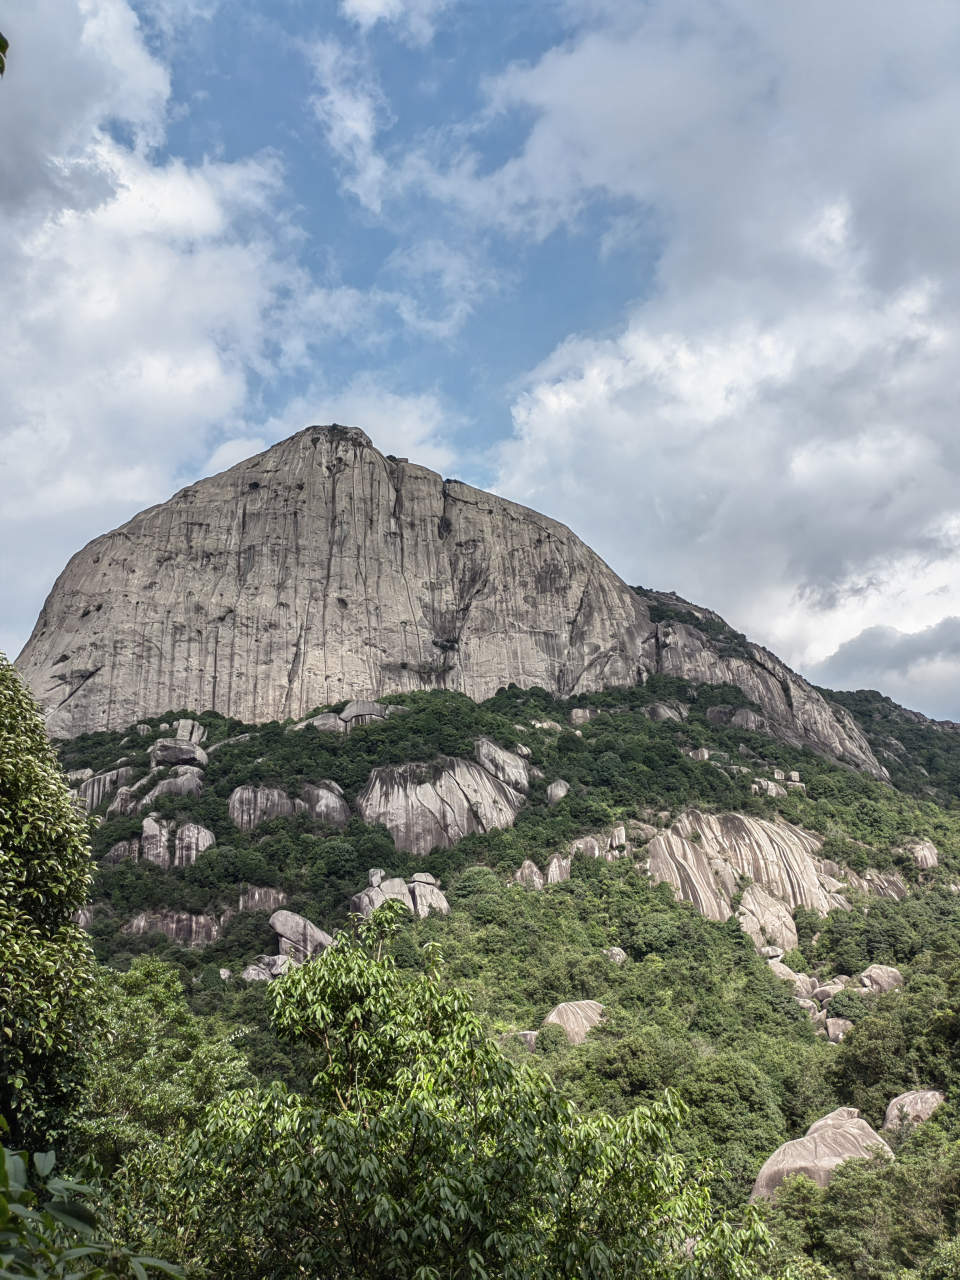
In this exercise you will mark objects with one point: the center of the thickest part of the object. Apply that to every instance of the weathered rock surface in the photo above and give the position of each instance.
(322, 570)
(881, 978)
(189, 731)
(912, 1107)
(155, 840)
(782, 861)
(837, 1137)
(576, 1017)
(529, 874)
(190, 841)
(249, 806)
(924, 854)
(187, 782)
(616, 954)
(325, 802)
(260, 898)
(179, 926)
(123, 850)
(837, 1028)
(177, 751)
(95, 790)
(556, 791)
(420, 895)
(423, 806)
(299, 939)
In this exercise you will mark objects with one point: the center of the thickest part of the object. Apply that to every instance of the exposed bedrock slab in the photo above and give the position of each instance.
(299, 938)
(912, 1107)
(179, 926)
(706, 857)
(841, 1135)
(577, 1017)
(423, 806)
(322, 570)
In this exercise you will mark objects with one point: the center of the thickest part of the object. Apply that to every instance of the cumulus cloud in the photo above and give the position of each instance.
(415, 19)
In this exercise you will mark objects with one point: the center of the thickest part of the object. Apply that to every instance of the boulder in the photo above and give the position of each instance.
(366, 902)
(95, 790)
(809, 1005)
(184, 784)
(825, 993)
(427, 898)
(189, 731)
(556, 791)
(582, 715)
(228, 742)
(256, 973)
(529, 874)
(837, 1028)
(912, 1107)
(616, 954)
(661, 711)
(123, 850)
(547, 724)
(177, 751)
(260, 898)
(881, 978)
(558, 868)
(781, 970)
(327, 722)
(766, 919)
(143, 730)
(576, 1017)
(299, 939)
(155, 840)
(511, 769)
(841, 1135)
(362, 712)
(84, 917)
(249, 806)
(325, 802)
(522, 751)
(179, 926)
(191, 839)
(272, 966)
(423, 877)
(79, 775)
(123, 803)
(424, 806)
(375, 876)
(924, 854)
(763, 786)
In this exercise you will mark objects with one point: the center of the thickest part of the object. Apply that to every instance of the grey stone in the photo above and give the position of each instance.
(228, 742)
(558, 868)
(123, 803)
(123, 850)
(190, 591)
(912, 1107)
(249, 806)
(362, 711)
(155, 840)
(256, 973)
(190, 784)
(189, 731)
(616, 954)
(523, 751)
(79, 775)
(556, 791)
(583, 715)
(179, 926)
(924, 854)
(299, 939)
(423, 877)
(190, 841)
(842, 1135)
(374, 876)
(509, 768)
(95, 790)
(326, 803)
(529, 874)
(143, 730)
(326, 722)
(225, 975)
(837, 1028)
(661, 711)
(881, 978)
(261, 898)
(427, 898)
(766, 919)
(368, 900)
(577, 1017)
(177, 751)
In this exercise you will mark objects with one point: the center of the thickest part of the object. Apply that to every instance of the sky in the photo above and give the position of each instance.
(683, 274)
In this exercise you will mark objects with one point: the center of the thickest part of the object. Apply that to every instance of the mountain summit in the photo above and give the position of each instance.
(322, 570)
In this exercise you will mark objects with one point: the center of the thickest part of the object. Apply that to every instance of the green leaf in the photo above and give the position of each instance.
(72, 1214)
(44, 1162)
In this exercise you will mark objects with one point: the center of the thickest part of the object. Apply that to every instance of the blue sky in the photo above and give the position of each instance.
(681, 273)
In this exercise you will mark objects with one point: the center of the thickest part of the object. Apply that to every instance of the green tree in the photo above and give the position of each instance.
(153, 1069)
(421, 1152)
(45, 963)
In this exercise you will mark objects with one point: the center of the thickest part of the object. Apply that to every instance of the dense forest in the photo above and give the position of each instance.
(183, 1097)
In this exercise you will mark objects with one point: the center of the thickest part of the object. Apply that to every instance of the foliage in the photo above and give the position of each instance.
(4, 48)
(47, 1237)
(45, 963)
(420, 1151)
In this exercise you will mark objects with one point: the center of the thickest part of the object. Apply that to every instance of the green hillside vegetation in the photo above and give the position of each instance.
(693, 1010)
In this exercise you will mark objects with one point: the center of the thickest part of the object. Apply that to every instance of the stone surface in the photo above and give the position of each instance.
(912, 1107)
(326, 803)
(95, 790)
(321, 570)
(155, 840)
(781, 860)
(661, 711)
(179, 926)
(427, 898)
(508, 767)
(616, 954)
(249, 806)
(256, 973)
(177, 751)
(228, 742)
(186, 784)
(837, 1028)
(420, 895)
(583, 715)
(881, 978)
(123, 803)
(837, 1137)
(123, 850)
(191, 839)
(925, 855)
(327, 722)
(576, 1017)
(529, 874)
(189, 731)
(299, 939)
(556, 791)
(423, 806)
(261, 898)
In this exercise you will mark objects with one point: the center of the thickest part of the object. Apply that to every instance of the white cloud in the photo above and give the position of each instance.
(416, 19)
(352, 110)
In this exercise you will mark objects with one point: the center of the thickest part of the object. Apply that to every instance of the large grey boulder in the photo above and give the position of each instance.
(912, 1107)
(837, 1028)
(841, 1135)
(420, 895)
(187, 781)
(189, 731)
(576, 1017)
(528, 874)
(415, 582)
(299, 938)
(556, 791)
(326, 803)
(95, 790)
(616, 954)
(924, 854)
(155, 840)
(427, 898)
(327, 722)
(177, 751)
(423, 806)
(249, 806)
(507, 766)
(123, 850)
(190, 841)
(179, 926)
(881, 978)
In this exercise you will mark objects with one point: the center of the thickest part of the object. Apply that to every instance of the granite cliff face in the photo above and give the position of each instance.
(322, 570)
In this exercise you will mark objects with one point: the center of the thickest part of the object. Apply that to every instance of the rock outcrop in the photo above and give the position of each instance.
(912, 1107)
(299, 938)
(881, 978)
(577, 1017)
(707, 857)
(841, 1135)
(322, 570)
(420, 895)
(92, 792)
(179, 926)
(426, 805)
(326, 803)
(249, 806)
(191, 839)
(260, 898)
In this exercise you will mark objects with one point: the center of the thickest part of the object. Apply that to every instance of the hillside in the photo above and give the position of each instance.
(693, 1005)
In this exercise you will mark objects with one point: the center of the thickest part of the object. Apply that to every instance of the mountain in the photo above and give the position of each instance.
(322, 571)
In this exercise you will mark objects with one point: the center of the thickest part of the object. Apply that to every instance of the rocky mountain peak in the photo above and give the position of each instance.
(322, 570)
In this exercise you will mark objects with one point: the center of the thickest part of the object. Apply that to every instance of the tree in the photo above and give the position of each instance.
(4, 46)
(421, 1152)
(45, 963)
